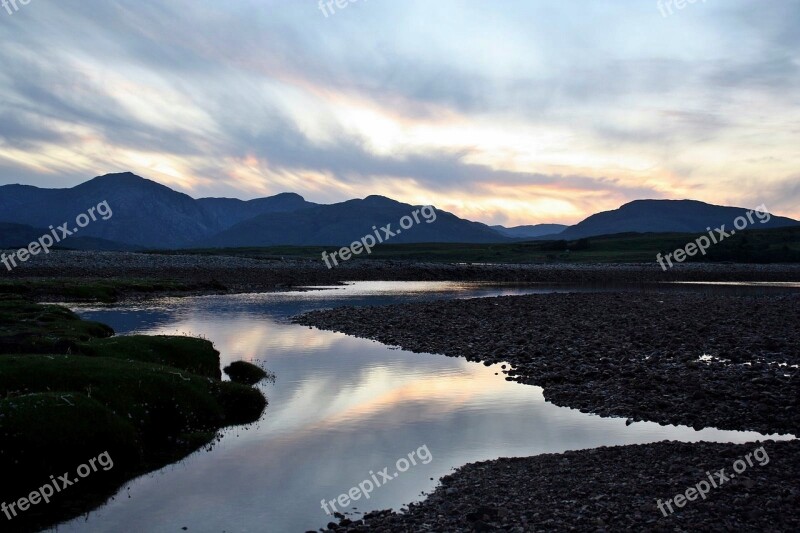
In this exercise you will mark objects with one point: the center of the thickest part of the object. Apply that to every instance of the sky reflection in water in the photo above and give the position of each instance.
(339, 408)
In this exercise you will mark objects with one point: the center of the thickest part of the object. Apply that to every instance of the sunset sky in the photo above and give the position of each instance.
(511, 112)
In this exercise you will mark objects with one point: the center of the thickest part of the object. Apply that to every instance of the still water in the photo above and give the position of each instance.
(339, 408)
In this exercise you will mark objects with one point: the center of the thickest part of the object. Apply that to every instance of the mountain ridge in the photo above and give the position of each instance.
(530, 230)
(345, 222)
(148, 214)
(664, 216)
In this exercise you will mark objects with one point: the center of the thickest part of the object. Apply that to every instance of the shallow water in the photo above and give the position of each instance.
(340, 408)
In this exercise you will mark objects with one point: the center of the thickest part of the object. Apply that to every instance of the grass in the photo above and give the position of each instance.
(196, 356)
(26, 327)
(106, 291)
(244, 372)
(80, 426)
(70, 391)
(160, 401)
(751, 246)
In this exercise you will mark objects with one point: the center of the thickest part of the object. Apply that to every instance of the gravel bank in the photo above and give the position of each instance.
(241, 274)
(611, 489)
(635, 355)
(726, 361)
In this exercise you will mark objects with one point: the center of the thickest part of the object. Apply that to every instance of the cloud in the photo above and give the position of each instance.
(576, 107)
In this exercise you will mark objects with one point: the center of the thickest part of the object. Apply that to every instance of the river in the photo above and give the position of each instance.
(339, 408)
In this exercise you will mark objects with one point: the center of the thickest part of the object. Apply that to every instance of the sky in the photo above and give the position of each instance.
(507, 112)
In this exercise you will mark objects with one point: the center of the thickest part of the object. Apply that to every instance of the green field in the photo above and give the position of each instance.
(754, 246)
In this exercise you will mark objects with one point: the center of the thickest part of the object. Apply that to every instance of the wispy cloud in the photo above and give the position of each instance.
(521, 112)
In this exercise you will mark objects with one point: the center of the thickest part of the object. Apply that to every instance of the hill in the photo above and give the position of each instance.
(20, 236)
(528, 232)
(345, 222)
(666, 216)
(145, 213)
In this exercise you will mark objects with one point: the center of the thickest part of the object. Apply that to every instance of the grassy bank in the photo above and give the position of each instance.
(70, 391)
(101, 290)
(780, 245)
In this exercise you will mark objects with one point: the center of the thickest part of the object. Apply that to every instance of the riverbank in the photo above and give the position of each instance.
(611, 489)
(110, 276)
(703, 360)
(133, 275)
(699, 359)
(71, 391)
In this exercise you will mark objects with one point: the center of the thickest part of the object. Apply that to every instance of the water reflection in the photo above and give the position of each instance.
(339, 408)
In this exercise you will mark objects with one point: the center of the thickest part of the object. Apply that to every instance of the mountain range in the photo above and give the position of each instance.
(529, 232)
(148, 215)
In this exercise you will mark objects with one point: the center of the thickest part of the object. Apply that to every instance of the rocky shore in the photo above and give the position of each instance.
(611, 489)
(703, 360)
(218, 273)
(695, 358)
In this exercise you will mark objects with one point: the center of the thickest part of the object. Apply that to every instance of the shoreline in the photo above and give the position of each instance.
(72, 389)
(608, 489)
(115, 277)
(633, 355)
(149, 274)
(630, 355)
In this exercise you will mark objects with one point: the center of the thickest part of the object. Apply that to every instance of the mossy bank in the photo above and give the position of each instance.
(70, 391)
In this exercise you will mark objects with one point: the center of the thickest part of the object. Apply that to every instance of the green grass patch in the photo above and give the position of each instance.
(148, 401)
(193, 355)
(244, 372)
(81, 428)
(26, 327)
(159, 401)
(106, 291)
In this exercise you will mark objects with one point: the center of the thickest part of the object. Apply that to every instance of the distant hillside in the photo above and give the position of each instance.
(342, 223)
(145, 213)
(149, 215)
(527, 232)
(16, 236)
(665, 216)
(228, 212)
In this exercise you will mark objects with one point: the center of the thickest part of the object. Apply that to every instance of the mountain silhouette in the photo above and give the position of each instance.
(16, 236)
(147, 214)
(228, 212)
(527, 232)
(343, 223)
(662, 216)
